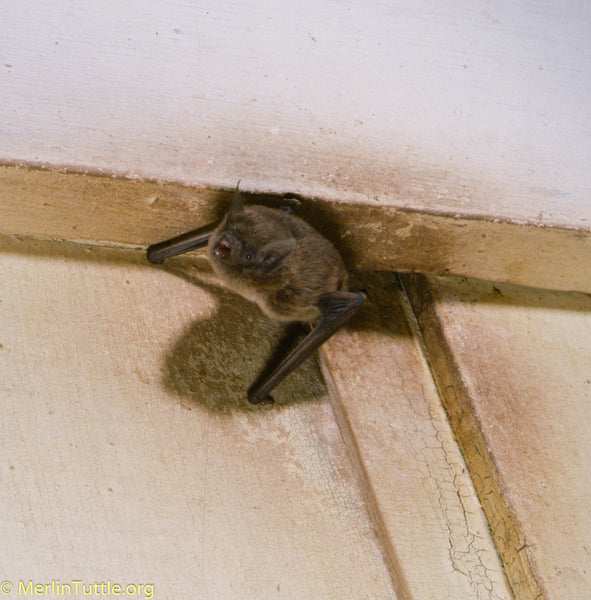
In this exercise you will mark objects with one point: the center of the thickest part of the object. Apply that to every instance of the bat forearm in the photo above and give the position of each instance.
(180, 244)
(336, 308)
(260, 391)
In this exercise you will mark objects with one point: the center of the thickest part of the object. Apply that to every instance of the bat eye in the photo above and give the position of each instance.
(249, 256)
(223, 249)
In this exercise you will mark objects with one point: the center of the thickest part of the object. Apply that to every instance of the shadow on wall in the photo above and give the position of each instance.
(215, 361)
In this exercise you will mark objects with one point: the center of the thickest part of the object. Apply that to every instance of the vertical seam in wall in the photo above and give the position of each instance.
(397, 577)
(506, 531)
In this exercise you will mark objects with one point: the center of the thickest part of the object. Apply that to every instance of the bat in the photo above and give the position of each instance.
(281, 263)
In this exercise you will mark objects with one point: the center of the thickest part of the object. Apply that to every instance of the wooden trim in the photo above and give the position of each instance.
(102, 210)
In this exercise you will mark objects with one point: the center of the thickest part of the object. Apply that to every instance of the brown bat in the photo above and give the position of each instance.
(283, 264)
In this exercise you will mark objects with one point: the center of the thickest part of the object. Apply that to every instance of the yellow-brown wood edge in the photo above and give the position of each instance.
(94, 208)
(507, 532)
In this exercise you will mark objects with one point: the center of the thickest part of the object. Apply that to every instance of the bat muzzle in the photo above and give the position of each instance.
(223, 249)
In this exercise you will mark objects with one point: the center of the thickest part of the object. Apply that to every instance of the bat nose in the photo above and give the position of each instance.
(223, 249)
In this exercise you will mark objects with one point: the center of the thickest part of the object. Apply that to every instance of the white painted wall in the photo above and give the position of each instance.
(469, 107)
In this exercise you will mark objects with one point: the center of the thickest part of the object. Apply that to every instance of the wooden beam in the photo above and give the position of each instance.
(95, 209)
(512, 365)
(415, 479)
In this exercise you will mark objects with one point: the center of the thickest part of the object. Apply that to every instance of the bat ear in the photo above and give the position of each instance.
(237, 206)
(272, 255)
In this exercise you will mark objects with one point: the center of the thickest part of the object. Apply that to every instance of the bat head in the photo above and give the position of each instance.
(251, 243)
